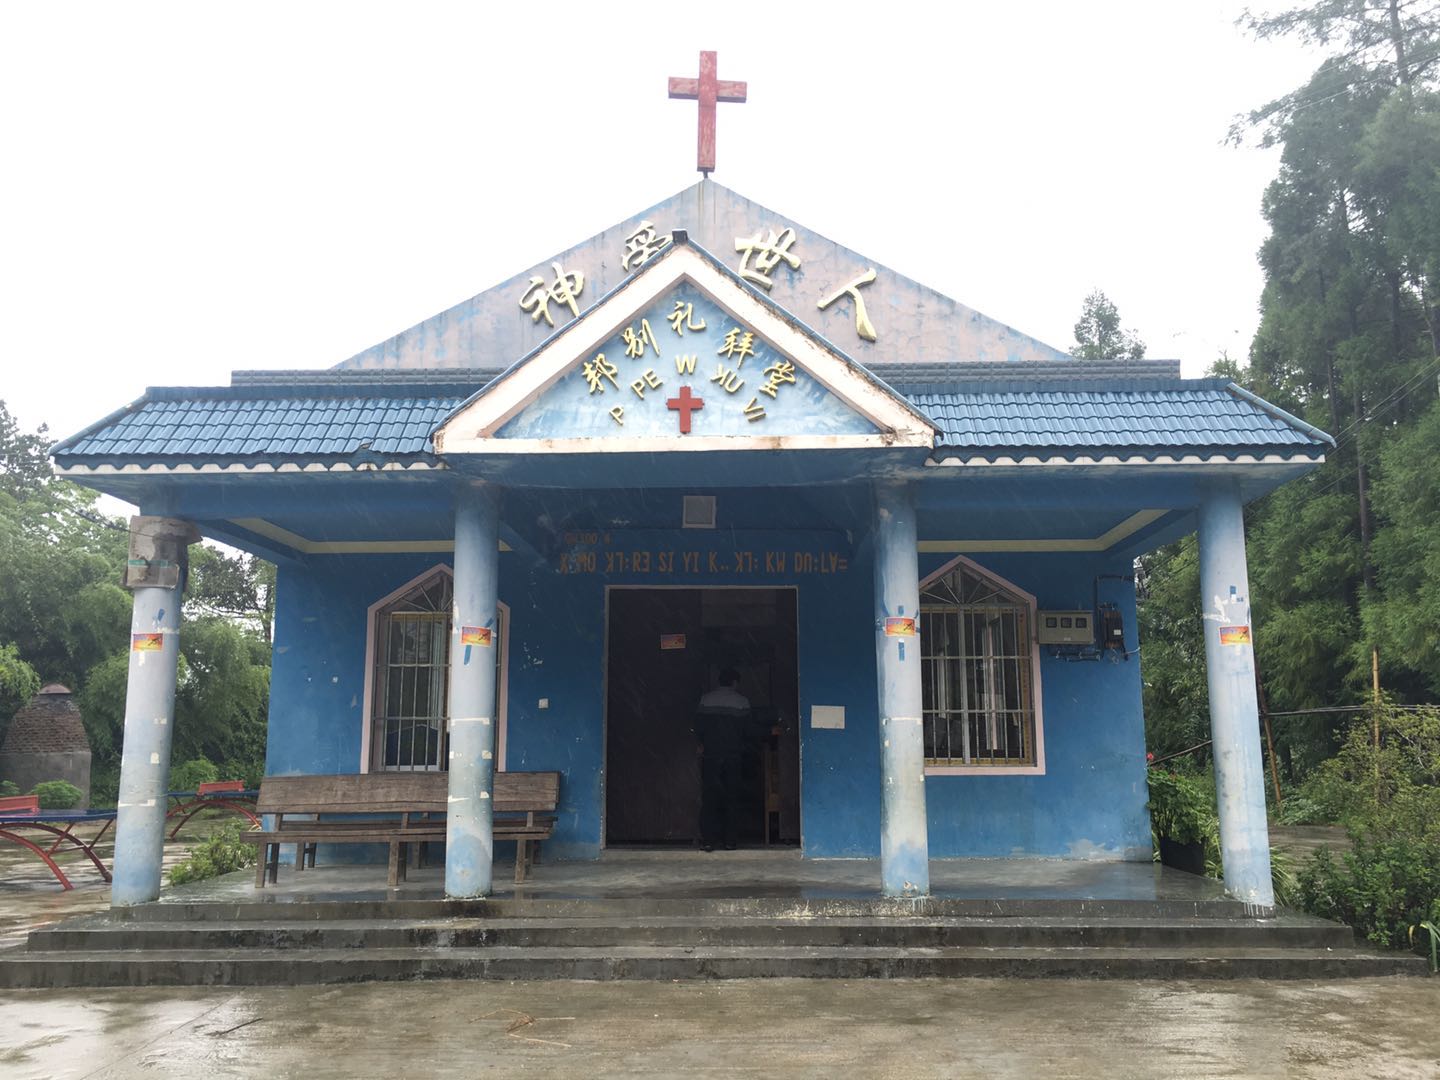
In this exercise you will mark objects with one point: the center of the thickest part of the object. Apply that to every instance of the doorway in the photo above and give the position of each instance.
(667, 647)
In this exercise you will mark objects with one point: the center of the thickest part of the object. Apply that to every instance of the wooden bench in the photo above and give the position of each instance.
(399, 809)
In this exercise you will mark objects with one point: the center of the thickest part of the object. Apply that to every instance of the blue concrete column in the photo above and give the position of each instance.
(469, 843)
(1234, 712)
(904, 838)
(155, 573)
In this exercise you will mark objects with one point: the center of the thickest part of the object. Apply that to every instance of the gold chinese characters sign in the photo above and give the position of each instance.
(691, 359)
(761, 256)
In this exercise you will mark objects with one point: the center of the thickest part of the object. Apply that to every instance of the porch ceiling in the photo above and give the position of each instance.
(328, 516)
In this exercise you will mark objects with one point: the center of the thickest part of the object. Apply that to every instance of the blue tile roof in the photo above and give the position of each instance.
(1147, 416)
(221, 425)
(976, 417)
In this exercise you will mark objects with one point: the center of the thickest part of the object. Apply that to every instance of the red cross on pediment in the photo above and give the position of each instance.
(685, 404)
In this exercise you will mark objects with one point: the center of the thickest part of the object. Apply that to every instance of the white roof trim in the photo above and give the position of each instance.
(1129, 459)
(305, 546)
(211, 468)
(472, 429)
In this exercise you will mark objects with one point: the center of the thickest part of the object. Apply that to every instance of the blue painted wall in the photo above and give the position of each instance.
(1088, 804)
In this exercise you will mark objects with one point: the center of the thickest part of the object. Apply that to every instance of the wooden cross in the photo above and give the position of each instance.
(707, 89)
(684, 405)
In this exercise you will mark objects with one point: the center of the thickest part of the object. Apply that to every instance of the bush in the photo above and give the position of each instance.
(1182, 809)
(189, 775)
(1382, 888)
(57, 795)
(251, 772)
(1301, 809)
(1389, 800)
(8, 788)
(1182, 806)
(105, 787)
(221, 852)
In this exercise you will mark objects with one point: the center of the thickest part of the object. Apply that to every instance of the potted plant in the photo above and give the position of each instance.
(1182, 817)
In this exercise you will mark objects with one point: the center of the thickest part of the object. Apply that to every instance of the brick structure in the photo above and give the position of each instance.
(47, 741)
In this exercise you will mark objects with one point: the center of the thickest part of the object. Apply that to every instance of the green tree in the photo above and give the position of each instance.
(24, 466)
(1098, 335)
(64, 617)
(1172, 651)
(237, 586)
(1407, 496)
(1344, 572)
(18, 684)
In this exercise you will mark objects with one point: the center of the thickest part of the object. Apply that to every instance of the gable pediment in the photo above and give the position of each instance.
(683, 356)
(905, 320)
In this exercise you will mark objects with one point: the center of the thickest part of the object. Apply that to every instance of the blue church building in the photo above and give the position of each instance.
(531, 531)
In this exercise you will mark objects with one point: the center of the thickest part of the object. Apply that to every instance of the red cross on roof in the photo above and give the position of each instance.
(707, 89)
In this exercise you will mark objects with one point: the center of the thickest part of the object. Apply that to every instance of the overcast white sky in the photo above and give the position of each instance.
(193, 188)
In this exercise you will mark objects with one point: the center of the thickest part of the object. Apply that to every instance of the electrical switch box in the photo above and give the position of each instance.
(1066, 628)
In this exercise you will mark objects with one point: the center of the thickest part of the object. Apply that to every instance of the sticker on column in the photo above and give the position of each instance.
(1234, 635)
(471, 637)
(899, 627)
(147, 642)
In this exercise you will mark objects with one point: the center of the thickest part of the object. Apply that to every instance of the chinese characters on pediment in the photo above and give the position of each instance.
(761, 256)
(646, 380)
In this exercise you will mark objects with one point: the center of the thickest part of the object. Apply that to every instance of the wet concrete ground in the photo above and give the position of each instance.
(30, 897)
(901, 1028)
(790, 1028)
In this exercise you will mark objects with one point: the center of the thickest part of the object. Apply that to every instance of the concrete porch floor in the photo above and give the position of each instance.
(656, 874)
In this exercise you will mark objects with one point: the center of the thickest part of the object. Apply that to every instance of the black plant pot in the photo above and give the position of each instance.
(1188, 857)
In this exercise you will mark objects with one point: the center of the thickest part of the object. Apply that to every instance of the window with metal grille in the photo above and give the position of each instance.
(977, 667)
(412, 677)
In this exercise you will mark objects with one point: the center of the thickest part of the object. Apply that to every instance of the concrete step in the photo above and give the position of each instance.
(101, 933)
(254, 967)
(288, 907)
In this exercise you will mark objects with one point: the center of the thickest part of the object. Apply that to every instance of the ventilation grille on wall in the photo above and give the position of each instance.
(698, 512)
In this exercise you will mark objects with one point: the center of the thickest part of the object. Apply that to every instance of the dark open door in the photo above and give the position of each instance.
(666, 648)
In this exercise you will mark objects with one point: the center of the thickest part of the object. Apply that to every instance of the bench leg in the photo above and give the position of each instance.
(398, 857)
(522, 851)
(264, 854)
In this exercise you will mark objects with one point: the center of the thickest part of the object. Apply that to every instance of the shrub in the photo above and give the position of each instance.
(251, 772)
(105, 786)
(1382, 888)
(57, 795)
(1389, 799)
(1182, 809)
(1182, 806)
(221, 852)
(189, 775)
(1301, 809)
(8, 788)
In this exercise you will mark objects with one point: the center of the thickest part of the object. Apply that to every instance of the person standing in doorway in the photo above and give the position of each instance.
(722, 722)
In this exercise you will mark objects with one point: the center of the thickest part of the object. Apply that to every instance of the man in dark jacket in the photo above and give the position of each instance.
(723, 722)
